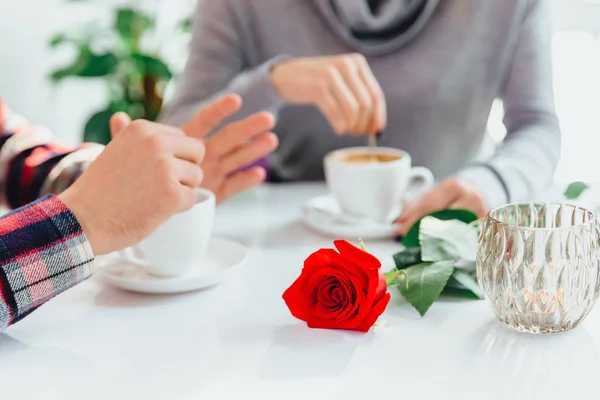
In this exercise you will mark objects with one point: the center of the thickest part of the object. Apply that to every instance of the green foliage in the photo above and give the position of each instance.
(442, 260)
(97, 129)
(131, 26)
(446, 240)
(425, 283)
(134, 73)
(88, 65)
(412, 237)
(575, 190)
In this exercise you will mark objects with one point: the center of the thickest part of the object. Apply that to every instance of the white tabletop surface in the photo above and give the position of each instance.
(238, 340)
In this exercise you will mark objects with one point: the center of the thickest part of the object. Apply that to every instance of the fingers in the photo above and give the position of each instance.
(438, 198)
(471, 201)
(180, 146)
(351, 67)
(329, 106)
(378, 120)
(189, 174)
(207, 119)
(238, 133)
(188, 149)
(242, 181)
(188, 198)
(345, 100)
(451, 193)
(118, 122)
(245, 155)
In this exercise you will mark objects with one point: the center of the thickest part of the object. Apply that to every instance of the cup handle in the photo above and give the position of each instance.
(421, 179)
(134, 254)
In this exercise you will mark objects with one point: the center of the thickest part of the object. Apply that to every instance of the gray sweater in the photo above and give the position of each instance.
(440, 77)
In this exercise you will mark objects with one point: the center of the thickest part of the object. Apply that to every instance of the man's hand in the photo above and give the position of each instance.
(233, 147)
(343, 87)
(451, 193)
(230, 149)
(146, 174)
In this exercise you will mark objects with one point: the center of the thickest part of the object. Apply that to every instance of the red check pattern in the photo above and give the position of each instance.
(43, 250)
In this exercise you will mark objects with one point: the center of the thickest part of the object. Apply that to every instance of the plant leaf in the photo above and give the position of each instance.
(447, 240)
(407, 257)
(58, 39)
(88, 65)
(412, 237)
(425, 283)
(149, 65)
(186, 25)
(97, 129)
(575, 190)
(458, 292)
(131, 25)
(469, 282)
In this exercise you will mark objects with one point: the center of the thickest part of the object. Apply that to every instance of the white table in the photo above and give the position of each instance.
(238, 340)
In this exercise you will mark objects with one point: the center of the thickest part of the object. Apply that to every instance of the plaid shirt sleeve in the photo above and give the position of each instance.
(43, 250)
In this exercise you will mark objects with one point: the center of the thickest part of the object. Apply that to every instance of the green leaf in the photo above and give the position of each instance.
(58, 39)
(447, 240)
(149, 65)
(97, 129)
(100, 65)
(186, 25)
(468, 281)
(407, 257)
(88, 65)
(131, 25)
(458, 292)
(412, 237)
(425, 283)
(575, 190)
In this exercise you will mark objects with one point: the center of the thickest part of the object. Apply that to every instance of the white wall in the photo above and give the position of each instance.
(25, 61)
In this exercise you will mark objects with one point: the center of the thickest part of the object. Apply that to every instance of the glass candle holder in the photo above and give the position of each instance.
(538, 265)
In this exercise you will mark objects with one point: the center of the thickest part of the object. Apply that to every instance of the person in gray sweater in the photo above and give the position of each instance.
(425, 73)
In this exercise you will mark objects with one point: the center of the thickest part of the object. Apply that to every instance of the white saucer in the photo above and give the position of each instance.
(223, 258)
(324, 215)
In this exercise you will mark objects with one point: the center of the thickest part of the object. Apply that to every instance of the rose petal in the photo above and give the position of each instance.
(320, 258)
(346, 266)
(295, 300)
(357, 255)
(350, 324)
(344, 285)
(381, 288)
(372, 316)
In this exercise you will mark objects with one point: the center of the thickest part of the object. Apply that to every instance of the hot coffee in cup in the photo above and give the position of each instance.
(373, 183)
(180, 244)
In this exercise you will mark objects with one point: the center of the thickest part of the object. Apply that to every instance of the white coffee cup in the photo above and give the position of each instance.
(374, 190)
(180, 244)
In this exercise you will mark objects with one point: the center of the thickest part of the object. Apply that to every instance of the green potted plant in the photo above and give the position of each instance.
(134, 73)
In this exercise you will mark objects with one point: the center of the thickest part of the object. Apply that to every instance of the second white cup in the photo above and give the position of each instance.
(180, 244)
(374, 189)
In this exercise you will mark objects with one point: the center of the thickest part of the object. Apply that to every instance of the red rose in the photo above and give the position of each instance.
(342, 289)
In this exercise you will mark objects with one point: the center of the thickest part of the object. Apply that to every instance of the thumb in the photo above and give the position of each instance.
(118, 122)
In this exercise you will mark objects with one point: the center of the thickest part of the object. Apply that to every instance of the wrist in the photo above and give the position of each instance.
(274, 67)
(86, 220)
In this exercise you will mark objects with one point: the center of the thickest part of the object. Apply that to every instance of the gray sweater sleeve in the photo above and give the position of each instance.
(524, 166)
(218, 64)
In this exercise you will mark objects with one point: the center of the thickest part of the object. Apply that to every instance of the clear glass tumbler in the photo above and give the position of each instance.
(539, 265)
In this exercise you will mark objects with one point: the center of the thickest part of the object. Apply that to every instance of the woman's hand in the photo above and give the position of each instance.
(233, 147)
(451, 193)
(342, 87)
